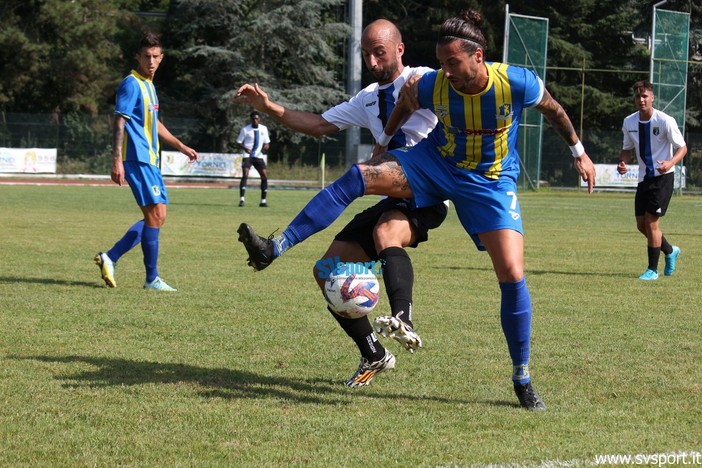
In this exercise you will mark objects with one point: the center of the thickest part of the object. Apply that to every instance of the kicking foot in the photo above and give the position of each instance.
(391, 327)
(260, 250)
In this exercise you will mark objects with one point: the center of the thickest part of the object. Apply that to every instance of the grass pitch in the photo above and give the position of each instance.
(246, 369)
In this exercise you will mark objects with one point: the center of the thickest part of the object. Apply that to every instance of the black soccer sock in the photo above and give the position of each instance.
(398, 276)
(242, 187)
(264, 188)
(654, 253)
(666, 248)
(361, 332)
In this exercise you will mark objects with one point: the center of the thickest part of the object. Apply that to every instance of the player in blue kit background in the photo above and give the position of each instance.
(137, 161)
(470, 158)
(656, 139)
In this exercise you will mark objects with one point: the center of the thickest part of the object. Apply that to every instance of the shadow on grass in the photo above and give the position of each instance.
(217, 382)
(16, 279)
(535, 271)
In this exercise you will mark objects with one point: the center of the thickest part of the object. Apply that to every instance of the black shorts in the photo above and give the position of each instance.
(361, 227)
(653, 195)
(258, 163)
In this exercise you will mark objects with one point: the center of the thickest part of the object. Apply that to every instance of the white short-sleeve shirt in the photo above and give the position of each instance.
(371, 108)
(247, 137)
(653, 140)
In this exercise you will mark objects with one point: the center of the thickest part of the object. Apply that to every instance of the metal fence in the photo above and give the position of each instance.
(84, 145)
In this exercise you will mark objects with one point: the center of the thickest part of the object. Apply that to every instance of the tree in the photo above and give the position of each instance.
(59, 56)
(292, 48)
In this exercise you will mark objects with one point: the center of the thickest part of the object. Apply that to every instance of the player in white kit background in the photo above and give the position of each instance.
(654, 137)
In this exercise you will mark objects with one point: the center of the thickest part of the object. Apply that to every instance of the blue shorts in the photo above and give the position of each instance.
(146, 183)
(482, 204)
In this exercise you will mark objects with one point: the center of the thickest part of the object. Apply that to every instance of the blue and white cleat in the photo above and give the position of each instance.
(670, 261)
(159, 285)
(107, 269)
(649, 275)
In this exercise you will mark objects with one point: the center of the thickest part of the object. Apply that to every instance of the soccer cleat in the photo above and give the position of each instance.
(670, 261)
(159, 285)
(528, 398)
(649, 275)
(241, 203)
(260, 250)
(367, 370)
(263, 204)
(107, 269)
(391, 327)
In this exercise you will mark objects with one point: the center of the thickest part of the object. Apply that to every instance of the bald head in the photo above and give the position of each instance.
(383, 30)
(382, 48)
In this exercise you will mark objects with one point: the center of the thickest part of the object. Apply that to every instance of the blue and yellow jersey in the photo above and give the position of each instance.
(137, 102)
(478, 132)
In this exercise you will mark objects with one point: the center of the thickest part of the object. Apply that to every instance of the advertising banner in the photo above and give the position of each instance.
(607, 176)
(28, 160)
(175, 163)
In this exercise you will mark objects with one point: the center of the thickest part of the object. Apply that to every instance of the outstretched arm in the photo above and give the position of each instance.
(303, 122)
(560, 121)
(168, 137)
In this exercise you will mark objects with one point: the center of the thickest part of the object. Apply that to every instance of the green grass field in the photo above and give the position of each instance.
(246, 369)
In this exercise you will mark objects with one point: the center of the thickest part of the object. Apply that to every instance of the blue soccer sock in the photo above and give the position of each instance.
(515, 314)
(130, 240)
(149, 245)
(322, 210)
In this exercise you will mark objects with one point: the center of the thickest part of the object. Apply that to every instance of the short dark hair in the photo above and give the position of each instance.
(254, 114)
(149, 40)
(641, 85)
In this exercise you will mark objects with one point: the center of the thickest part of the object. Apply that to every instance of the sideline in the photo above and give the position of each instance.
(171, 181)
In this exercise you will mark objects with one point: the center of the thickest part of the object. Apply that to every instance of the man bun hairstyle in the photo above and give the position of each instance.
(465, 28)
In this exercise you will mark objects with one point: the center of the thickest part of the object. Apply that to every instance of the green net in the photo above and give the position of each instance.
(526, 44)
(671, 32)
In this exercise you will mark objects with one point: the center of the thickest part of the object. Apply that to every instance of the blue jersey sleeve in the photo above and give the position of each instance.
(127, 97)
(533, 88)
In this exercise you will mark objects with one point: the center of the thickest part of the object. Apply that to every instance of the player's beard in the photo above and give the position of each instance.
(386, 74)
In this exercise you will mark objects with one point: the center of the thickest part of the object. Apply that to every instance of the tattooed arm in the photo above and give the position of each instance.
(560, 121)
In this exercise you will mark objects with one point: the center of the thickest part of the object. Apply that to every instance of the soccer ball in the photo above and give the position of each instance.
(352, 295)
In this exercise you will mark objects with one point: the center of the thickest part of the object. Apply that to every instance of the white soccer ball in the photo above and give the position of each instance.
(352, 295)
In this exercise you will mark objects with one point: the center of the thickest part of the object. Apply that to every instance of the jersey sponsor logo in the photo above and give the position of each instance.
(476, 131)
